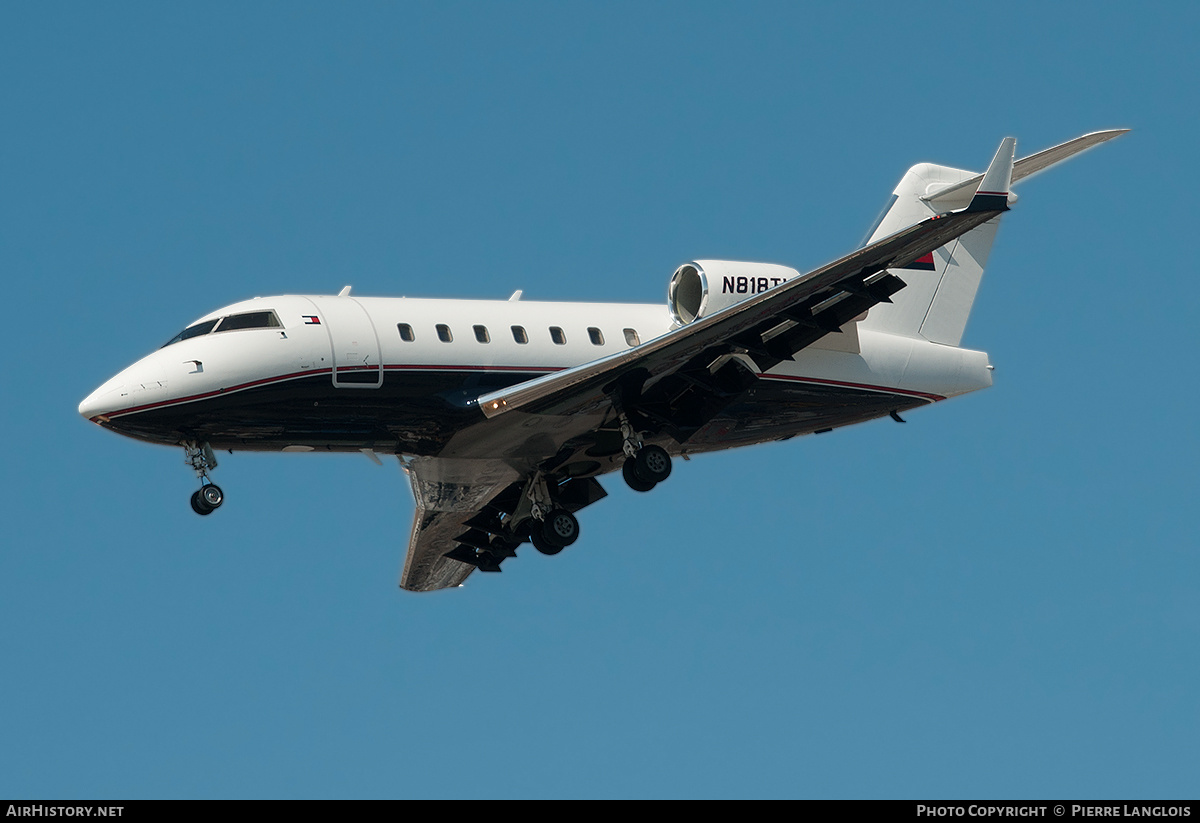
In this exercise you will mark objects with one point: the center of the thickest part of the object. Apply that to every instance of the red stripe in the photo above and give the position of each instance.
(205, 395)
(295, 375)
(416, 367)
(420, 367)
(909, 392)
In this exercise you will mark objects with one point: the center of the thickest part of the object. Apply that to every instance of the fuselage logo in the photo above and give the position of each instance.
(311, 320)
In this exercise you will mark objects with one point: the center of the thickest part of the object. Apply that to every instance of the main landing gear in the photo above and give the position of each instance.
(541, 511)
(209, 497)
(646, 465)
(550, 527)
(555, 532)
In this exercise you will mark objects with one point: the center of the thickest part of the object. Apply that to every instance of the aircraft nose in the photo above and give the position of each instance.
(101, 400)
(143, 382)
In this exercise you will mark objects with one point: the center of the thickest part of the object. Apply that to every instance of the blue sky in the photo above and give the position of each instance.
(994, 600)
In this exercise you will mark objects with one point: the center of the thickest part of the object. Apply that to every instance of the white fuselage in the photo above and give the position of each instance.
(398, 374)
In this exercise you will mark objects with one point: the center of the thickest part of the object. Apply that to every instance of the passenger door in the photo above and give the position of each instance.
(354, 343)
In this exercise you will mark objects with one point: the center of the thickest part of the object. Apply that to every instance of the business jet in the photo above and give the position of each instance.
(505, 413)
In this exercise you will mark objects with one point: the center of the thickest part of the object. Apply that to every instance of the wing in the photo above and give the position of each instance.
(676, 383)
(448, 493)
(471, 498)
(463, 506)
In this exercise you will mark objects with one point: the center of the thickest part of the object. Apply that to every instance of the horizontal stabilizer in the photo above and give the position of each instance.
(1029, 166)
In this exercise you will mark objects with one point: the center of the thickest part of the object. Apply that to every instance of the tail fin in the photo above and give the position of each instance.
(941, 286)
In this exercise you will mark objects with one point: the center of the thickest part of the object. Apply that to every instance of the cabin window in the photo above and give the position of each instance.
(631, 337)
(250, 320)
(481, 334)
(406, 332)
(557, 335)
(443, 332)
(596, 336)
(519, 334)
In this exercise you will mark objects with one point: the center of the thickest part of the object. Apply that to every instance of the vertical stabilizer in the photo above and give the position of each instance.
(941, 286)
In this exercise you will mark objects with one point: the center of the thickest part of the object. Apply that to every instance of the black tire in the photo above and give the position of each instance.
(653, 464)
(198, 504)
(212, 496)
(560, 528)
(540, 542)
(633, 479)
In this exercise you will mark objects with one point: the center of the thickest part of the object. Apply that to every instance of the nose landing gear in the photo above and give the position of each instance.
(209, 497)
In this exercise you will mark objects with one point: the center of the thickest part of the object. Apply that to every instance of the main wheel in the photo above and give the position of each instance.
(198, 504)
(633, 479)
(560, 528)
(539, 541)
(653, 464)
(212, 496)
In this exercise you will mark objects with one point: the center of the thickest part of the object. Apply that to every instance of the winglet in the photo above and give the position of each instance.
(992, 194)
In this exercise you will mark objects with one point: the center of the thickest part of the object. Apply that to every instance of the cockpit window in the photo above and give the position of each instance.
(250, 320)
(234, 322)
(192, 331)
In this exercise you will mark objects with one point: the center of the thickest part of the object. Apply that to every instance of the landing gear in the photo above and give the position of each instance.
(634, 480)
(538, 538)
(652, 463)
(559, 530)
(550, 527)
(645, 465)
(209, 497)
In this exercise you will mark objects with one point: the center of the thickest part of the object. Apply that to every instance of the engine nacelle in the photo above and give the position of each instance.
(703, 287)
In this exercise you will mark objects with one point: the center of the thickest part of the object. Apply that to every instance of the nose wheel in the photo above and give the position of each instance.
(209, 497)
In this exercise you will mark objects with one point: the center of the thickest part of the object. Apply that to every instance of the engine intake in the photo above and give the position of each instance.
(704, 287)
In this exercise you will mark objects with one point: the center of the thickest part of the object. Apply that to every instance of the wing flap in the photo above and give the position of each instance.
(460, 521)
(451, 496)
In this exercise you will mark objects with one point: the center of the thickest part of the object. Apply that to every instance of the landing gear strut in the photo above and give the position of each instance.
(209, 497)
